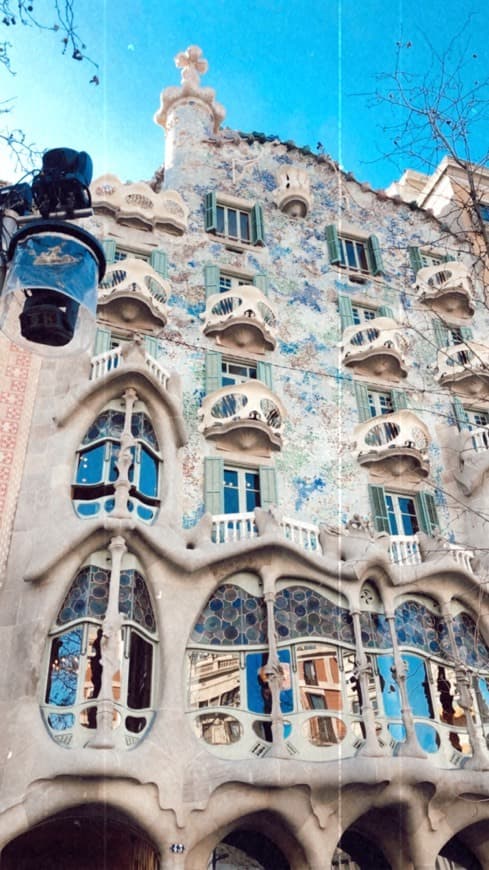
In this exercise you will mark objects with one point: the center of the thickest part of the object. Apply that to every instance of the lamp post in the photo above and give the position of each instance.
(51, 265)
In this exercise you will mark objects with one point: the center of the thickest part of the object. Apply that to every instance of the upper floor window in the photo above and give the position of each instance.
(420, 258)
(361, 313)
(74, 685)
(402, 514)
(355, 254)
(237, 373)
(353, 313)
(97, 468)
(241, 489)
(242, 224)
(484, 210)
(447, 336)
(232, 489)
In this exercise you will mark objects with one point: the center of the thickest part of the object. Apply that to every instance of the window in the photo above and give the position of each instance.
(361, 314)
(477, 418)
(235, 489)
(470, 417)
(354, 313)
(156, 258)
(400, 514)
(123, 253)
(97, 471)
(221, 371)
(484, 210)
(372, 402)
(237, 373)
(447, 336)
(419, 258)
(241, 224)
(241, 490)
(75, 667)
(357, 255)
(219, 280)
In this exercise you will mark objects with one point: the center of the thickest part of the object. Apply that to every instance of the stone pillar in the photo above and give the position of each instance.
(371, 745)
(410, 746)
(125, 458)
(273, 669)
(111, 645)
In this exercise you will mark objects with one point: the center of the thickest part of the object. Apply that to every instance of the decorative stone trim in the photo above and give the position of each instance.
(137, 204)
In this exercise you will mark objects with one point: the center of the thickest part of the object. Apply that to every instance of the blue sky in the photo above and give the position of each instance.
(299, 69)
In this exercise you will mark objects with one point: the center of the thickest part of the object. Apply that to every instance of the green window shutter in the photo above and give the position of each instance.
(264, 374)
(379, 508)
(261, 281)
(102, 340)
(210, 212)
(159, 261)
(214, 485)
(375, 256)
(213, 371)
(257, 226)
(467, 333)
(460, 414)
(447, 259)
(441, 333)
(399, 400)
(361, 395)
(334, 250)
(385, 311)
(268, 486)
(415, 258)
(211, 279)
(346, 312)
(109, 250)
(152, 346)
(426, 512)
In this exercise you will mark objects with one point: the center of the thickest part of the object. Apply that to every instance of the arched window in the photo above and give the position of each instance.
(228, 659)
(97, 472)
(73, 689)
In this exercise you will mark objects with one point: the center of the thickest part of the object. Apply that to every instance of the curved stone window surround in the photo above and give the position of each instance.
(101, 663)
(447, 288)
(376, 693)
(118, 464)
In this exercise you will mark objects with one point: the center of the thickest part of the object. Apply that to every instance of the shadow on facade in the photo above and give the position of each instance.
(91, 837)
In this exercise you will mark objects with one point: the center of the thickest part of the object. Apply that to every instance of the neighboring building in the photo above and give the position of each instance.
(245, 618)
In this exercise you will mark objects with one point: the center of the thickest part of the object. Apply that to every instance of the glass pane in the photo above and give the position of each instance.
(231, 493)
(244, 225)
(61, 721)
(220, 219)
(427, 737)
(140, 673)
(319, 678)
(259, 695)
(362, 256)
(252, 482)
(393, 528)
(93, 670)
(88, 510)
(231, 616)
(232, 223)
(418, 687)
(389, 688)
(113, 457)
(148, 474)
(214, 676)
(218, 729)
(324, 731)
(91, 465)
(64, 667)
(408, 513)
(350, 254)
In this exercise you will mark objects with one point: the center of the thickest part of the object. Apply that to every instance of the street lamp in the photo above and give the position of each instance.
(53, 266)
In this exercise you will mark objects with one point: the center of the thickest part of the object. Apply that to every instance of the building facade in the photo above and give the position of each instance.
(244, 614)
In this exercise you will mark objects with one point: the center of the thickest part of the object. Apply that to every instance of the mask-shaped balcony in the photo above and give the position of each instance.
(134, 294)
(375, 348)
(242, 318)
(243, 417)
(394, 444)
(137, 205)
(293, 195)
(447, 288)
(464, 368)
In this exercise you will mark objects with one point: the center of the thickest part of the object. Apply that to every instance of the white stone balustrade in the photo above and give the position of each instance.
(375, 347)
(465, 367)
(476, 440)
(247, 415)
(107, 362)
(293, 195)
(448, 287)
(133, 279)
(138, 204)
(403, 549)
(240, 317)
(399, 439)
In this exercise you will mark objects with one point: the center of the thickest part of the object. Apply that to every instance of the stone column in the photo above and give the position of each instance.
(363, 669)
(479, 759)
(110, 647)
(125, 458)
(273, 669)
(410, 746)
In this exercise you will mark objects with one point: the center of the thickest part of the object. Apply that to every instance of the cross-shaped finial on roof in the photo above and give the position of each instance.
(192, 64)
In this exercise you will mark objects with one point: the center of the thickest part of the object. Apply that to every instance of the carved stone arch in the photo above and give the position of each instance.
(89, 402)
(86, 835)
(468, 846)
(261, 839)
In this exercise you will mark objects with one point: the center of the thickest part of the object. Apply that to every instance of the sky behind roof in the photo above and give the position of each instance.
(300, 69)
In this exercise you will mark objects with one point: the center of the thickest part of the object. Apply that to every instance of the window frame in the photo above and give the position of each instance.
(219, 206)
